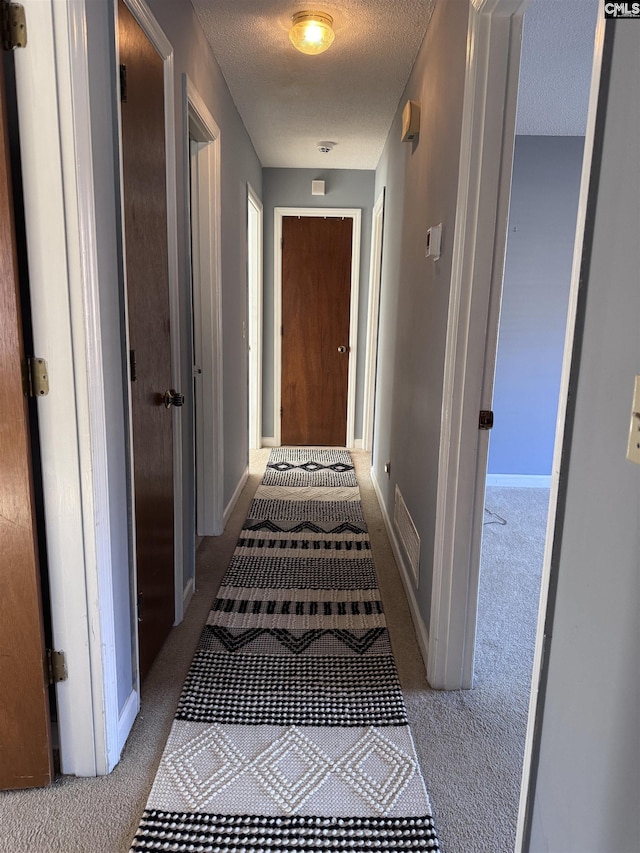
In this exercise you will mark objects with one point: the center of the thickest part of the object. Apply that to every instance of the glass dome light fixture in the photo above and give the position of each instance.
(311, 32)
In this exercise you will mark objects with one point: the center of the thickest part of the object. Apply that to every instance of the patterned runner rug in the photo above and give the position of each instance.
(291, 732)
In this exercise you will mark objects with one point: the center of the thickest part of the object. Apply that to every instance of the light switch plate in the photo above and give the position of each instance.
(633, 447)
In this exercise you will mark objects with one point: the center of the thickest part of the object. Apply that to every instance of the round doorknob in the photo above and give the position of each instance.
(173, 398)
(342, 349)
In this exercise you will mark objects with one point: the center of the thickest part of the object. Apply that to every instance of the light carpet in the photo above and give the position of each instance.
(291, 732)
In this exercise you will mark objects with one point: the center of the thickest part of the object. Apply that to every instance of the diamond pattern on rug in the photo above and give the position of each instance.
(291, 731)
(311, 473)
(278, 770)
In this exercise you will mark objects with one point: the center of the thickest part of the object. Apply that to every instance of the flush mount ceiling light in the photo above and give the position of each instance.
(311, 32)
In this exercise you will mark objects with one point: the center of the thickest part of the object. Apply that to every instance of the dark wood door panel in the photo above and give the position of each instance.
(25, 743)
(146, 257)
(316, 296)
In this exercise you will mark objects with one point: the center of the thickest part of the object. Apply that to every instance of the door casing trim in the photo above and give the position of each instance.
(346, 213)
(484, 181)
(207, 320)
(255, 319)
(54, 104)
(373, 313)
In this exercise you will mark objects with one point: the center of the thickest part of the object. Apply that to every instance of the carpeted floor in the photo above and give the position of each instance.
(469, 744)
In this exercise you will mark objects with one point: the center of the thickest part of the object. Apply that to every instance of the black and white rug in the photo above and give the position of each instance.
(291, 732)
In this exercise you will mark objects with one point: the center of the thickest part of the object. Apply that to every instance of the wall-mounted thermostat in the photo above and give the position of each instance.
(410, 121)
(432, 246)
(317, 188)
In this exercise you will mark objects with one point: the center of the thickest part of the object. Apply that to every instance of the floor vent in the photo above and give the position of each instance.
(408, 534)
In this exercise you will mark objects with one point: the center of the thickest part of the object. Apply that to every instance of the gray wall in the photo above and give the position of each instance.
(292, 188)
(240, 164)
(542, 227)
(421, 180)
(588, 779)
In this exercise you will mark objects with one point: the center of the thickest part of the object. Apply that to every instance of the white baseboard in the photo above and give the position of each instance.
(187, 595)
(127, 718)
(269, 441)
(234, 497)
(521, 481)
(357, 444)
(422, 635)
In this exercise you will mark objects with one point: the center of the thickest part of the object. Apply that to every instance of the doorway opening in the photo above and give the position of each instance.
(534, 324)
(203, 140)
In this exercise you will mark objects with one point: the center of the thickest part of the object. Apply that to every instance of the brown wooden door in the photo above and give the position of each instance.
(25, 743)
(145, 223)
(316, 297)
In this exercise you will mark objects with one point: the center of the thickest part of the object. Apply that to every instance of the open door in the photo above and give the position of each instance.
(147, 272)
(25, 741)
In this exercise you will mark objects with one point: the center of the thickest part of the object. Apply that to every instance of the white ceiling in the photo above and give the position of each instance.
(290, 102)
(555, 71)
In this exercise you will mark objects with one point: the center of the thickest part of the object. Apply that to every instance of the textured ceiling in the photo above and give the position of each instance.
(289, 102)
(555, 73)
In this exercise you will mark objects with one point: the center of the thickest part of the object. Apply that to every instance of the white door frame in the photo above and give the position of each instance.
(346, 213)
(373, 312)
(254, 320)
(54, 105)
(487, 142)
(204, 214)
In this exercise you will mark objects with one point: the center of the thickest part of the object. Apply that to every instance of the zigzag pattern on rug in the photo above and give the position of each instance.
(291, 732)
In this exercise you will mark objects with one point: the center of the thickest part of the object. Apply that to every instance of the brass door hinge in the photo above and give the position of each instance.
(13, 25)
(36, 378)
(56, 667)
(486, 419)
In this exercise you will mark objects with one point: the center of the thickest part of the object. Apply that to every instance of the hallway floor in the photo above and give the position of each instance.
(467, 742)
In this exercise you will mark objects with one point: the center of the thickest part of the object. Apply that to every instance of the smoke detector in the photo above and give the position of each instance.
(325, 147)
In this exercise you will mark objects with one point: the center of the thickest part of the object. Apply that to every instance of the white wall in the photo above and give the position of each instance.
(292, 188)
(587, 790)
(421, 180)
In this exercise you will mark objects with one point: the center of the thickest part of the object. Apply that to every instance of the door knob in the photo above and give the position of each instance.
(173, 398)
(342, 349)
